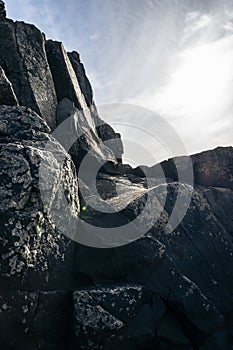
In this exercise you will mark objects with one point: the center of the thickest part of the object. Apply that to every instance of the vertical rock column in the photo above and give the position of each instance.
(68, 90)
(23, 58)
(104, 131)
(7, 95)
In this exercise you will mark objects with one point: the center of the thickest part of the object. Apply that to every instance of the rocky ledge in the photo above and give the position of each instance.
(167, 290)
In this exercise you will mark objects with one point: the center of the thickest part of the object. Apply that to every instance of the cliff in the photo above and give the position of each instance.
(163, 290)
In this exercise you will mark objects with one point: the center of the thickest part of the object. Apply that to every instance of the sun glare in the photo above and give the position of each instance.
(200, 80)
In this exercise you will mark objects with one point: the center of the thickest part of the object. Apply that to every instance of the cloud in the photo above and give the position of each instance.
(196, 97)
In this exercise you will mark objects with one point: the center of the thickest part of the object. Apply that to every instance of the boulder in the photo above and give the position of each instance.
(34, 253)
(125, 317)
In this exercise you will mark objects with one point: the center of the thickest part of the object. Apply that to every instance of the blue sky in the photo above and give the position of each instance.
(174, 57)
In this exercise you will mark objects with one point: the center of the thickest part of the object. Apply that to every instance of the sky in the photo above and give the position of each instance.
(174, 58)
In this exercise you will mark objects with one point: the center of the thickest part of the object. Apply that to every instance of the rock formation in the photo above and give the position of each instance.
(2, 10)
(33, 254)
(7, 94)
(23, 58)
(163, 291)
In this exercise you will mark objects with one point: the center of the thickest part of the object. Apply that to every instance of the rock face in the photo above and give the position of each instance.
(42, 73)
(66, 83)
(210, 168)
(34, 255)
(23, 58)
(39, 319)
(104, 130)
(7, 94)
(71, 83)
(83, 81)
(80, 128)
(166, 290)
(190, 266)
(2, 10)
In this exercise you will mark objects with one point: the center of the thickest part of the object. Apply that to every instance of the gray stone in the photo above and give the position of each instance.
(23, 58)
(65, 80)
(213, 168)
(123, 317)
(78, 126)
(83, 81)
(34, 254)
(111, 138)
(7, 95)
(104, 131)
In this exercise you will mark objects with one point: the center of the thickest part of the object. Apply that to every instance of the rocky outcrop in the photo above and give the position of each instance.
(166, 289)
(104, 130)
(120, 317)
(210, 168)
(65, 80)
(23, 58)
(111, 138)
(42, 75)
(78, 135)
(83, 81)
(189, 266)
(34, 254)
(7, 94)
(72, 83)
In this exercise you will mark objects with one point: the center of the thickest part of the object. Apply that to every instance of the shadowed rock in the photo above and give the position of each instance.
(65, 80)
(105, 131)
(212, 168)
(7, 95)
(2, 10)
(34, 254)
(23, 58)
(84, 82)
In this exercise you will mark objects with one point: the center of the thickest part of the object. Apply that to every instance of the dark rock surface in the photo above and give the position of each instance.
(123, 317)
(106, 133)
(190, 268)
(83, 81)
(2, 10)
(33, 253)
(7, 94)
(210, 168)
(72, 83)
(104, 130)
(79, 127)
(65, 80)
(35, 320)
(23, 58)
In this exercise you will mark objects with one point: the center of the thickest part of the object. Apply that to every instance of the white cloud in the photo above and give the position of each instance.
(196, 97)
(94, 36)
